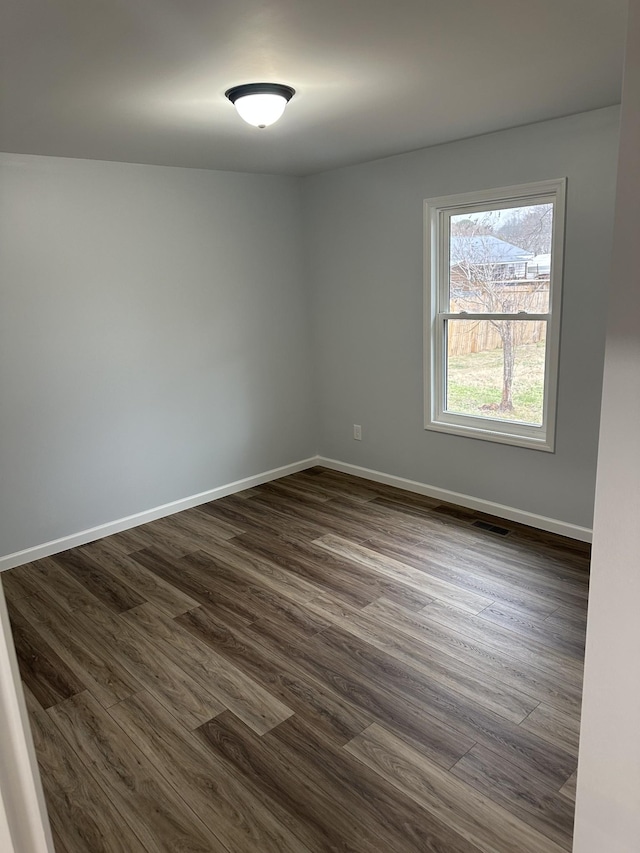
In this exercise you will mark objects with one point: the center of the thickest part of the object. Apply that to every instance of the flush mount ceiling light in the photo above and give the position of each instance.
(260, 104)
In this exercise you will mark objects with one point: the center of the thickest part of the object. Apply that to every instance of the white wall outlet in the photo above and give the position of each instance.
(357, 432)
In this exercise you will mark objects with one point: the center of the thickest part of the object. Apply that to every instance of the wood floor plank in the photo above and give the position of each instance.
(568, 790)
(190, 582)
(516, 566)
(382, 490)
(409, 503)
(554, 726)
(82, 818)
(509, 555)
(130, 782)
(325, 518)
(154, 536)
(227, 530)
(246, 494)
(196, 531)
(35, 608)
(372, 802)
(335, 813)
(143, 582)
(58, 845)
(333, 489)
(307, 695)
(570, 551)
(112, 592)
(239, 819)
(442, 562)
(165, 533)
(59, 586)
(567, 640)
(252, 567)
(403, 595)
(326, 572)
(491, 828)
(555, 555)
(20, 582)
(437, 669)
(91, 663)
(543, 685)
(233, 688)
(171, 684)
(329, 574)
(321, 824)
(354, 521)
(121, 542)
(196, 568)
(515, 790)
(257, 517)
(470, 719)
(386, 520)
(414, 578)
(43, 671)
(506, 641)
(296, 489)
(370, 692)
(566, 617)
(194, 524)
(460, 513)
(222, 578)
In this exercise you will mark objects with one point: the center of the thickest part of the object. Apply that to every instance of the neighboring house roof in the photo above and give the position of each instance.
(486, 249)
(543, 263)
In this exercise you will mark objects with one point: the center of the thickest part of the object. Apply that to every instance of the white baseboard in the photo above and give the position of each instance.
(553, 525)
(19, 558)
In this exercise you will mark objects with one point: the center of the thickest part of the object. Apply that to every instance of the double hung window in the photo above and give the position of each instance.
(493, 286)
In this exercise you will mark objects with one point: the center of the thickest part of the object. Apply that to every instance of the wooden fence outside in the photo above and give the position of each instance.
(468, 336)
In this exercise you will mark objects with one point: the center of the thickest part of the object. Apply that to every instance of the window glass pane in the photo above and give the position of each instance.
(500, 260)
(495, 369)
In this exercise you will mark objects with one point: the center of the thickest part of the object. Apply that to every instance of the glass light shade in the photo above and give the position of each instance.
(262, 109)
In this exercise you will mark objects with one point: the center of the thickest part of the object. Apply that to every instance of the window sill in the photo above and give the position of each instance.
(491, 433)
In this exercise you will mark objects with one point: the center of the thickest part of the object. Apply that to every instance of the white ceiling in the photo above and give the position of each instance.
(144, 80)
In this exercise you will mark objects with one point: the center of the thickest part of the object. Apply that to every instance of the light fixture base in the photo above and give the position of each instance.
(235, 92)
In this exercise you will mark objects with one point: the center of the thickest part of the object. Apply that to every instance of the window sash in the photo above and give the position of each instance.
(519, 315)
(444, 228)
(485, 423)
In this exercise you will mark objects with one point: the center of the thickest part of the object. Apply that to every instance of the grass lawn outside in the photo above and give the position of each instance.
(474, 381)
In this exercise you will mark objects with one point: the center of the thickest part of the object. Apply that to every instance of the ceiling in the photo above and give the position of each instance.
(143, 80)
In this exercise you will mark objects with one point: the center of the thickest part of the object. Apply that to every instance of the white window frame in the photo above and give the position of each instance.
(438, 212)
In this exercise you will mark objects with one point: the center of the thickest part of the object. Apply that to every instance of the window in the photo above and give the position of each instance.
(493, 265)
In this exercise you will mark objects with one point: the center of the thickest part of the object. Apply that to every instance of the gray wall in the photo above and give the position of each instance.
(157, 328)
(364, 261)
(608, 801)
(153, 339)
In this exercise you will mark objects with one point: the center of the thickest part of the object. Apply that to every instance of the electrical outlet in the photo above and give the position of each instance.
(357, 432)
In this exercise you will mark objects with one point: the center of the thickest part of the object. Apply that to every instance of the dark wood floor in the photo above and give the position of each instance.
(318, 664)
